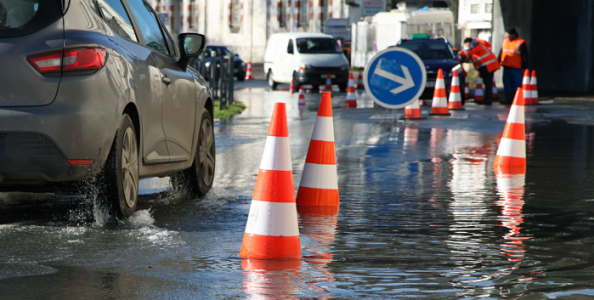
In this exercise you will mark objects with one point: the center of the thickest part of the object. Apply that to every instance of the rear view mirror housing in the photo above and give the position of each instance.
(190, 45)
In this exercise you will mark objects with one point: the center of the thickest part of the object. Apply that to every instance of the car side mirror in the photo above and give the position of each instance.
(190, 45)
(455, 49)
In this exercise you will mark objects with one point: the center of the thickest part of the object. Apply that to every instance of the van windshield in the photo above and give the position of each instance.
(430, 50)
(317, 45)
(22, 17)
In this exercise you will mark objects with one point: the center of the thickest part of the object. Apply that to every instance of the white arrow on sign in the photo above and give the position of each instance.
(406, 83)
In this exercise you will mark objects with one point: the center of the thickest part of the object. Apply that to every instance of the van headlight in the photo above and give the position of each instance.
(304, 67)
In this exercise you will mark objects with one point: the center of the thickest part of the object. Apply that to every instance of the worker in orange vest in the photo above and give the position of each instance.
(485, 61)
(513, 57)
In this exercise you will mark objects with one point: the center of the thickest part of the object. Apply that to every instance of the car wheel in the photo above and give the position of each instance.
(296, 83)
(315, 88)
(120, 174)
(271, 81)
(198, 179)
(343, 87)
(241, 77)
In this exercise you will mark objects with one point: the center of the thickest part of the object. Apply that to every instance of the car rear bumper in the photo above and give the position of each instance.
(318, 77)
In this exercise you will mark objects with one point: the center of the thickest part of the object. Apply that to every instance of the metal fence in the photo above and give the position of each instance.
(220, 76)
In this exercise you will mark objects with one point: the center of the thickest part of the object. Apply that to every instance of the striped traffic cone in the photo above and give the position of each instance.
(479, 94)
(248, 73)
(328, 84)
(301, 102)
(351, 98)
(440, 101)
(466, 89)
(511, 155)
(527, 93)
(360, 85)
(292, 87)
(319, 182)
(510, 188)
(272, 229)
(455, 102)
(413, 111)
(534, 88)
(495, 91)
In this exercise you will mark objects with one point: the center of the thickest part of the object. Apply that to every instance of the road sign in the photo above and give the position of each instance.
(395, 77)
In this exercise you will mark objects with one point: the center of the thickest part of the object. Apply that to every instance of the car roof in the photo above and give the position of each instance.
(304, 35)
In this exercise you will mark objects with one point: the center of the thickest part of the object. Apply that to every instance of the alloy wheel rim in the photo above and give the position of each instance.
(206, 156)
(130, 167)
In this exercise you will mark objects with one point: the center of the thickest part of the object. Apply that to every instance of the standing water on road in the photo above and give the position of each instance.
(422, 214)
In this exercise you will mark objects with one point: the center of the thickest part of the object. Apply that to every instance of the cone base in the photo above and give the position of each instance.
(460, 108)
(437, 114)
(351, 104)
(419, 118)
(317, 197)
(270, 247)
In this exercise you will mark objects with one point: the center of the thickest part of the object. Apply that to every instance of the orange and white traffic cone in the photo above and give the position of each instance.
(360, 85)
(292, 87)
(248, 73)
(479, 95)
(466, 89)
(455, 102)
(534, 88)
(319, 180)
(261, 279)
(301, 102)
(351, 98)
(495, 91)
(328, 84)
(440, 100)
(527, 93)
(272, 230)
(511, 154)
(413, 111)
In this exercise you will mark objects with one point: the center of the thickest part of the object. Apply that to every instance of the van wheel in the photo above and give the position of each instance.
(296, 83)
(120, 174)
(198, 178)
(271, 81)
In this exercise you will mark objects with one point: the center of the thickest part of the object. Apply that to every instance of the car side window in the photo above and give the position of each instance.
(149, 26)
(117, 18)
(290, 48)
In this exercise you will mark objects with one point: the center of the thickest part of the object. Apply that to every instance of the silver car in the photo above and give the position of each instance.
(97, 90)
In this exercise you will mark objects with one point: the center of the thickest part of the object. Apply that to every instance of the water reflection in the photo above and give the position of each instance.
(271, 279)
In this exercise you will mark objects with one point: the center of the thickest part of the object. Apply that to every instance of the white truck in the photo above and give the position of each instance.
(385, 29)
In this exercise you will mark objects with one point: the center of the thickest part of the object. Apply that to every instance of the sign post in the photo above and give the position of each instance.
(395, 77)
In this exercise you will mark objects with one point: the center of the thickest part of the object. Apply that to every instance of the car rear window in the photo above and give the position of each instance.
(429, 51)
(22, 17)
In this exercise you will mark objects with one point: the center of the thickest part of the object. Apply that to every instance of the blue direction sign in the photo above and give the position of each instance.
(395, 77)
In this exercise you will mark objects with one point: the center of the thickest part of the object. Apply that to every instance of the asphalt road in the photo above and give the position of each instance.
(422, 215)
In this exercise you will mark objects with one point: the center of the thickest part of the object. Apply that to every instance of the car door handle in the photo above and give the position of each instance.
(166, 79)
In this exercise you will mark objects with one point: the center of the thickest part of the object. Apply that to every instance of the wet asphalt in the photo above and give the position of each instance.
(422, 215)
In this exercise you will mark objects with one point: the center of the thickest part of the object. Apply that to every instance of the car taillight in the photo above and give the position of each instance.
(69, 60)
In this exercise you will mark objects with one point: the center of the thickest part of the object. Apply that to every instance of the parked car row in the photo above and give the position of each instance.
(220, 51)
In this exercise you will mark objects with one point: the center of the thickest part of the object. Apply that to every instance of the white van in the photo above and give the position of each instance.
(306, 58)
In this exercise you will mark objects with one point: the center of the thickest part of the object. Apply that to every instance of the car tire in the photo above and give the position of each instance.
(241, 77)
(343, 87)
(315, 88)
(296, 83)
(271, 83)
(120, 174)
(198, 178)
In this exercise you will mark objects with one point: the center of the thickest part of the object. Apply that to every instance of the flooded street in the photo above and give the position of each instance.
(422, 215)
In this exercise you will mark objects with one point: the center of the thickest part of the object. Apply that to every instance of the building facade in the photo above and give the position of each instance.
(475, 19)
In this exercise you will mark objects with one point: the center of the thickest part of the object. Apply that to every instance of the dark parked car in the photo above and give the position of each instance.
(436, 54)
(239, 65)
(98, 89)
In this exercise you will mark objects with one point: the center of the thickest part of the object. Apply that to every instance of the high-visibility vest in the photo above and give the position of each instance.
(481, 55)
(510, 53)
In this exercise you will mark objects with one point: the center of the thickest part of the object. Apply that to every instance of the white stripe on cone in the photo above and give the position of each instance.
(534, 88)
(272, 219)
(323, 129)
(319, 176)
(413, 105)
(516, 114)
(455, 97)
(277, 154)
(478, 91)
(512, 148)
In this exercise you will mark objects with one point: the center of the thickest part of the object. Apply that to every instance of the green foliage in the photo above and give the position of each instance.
(229, 111)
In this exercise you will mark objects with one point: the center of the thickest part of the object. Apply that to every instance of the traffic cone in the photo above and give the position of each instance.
(455, 102)
(319, 181)
(479, 95)
(527, 93)
(511, 155)
(440, 101)
(360, 85)
(271, 278)
(248, 73)
(351, 99)
(272, 230)
(328, 84)
(510, 188)
(301, 102)
(292, 87)
(534, 88)
(495, 91)
(466, 89)
(413, 111)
